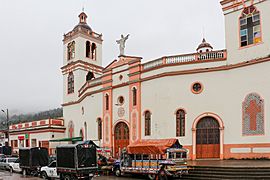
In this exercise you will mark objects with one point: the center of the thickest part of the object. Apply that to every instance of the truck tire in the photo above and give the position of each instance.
(69, 177)
(151, 176)
(43, 175)
(162, 175)
(24, 172)
(118, 172)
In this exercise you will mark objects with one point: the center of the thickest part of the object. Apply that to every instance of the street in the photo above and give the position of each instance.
(15, 176)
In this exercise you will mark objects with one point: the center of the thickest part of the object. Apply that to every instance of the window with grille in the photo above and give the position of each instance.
(147, 116)
(180, 123)
(99, 129)
(107, 101)
(70, 83)
(250, 26)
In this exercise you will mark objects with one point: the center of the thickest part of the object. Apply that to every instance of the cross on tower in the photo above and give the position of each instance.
(252, 110)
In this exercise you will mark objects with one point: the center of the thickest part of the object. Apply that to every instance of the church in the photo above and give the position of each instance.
(216, 102)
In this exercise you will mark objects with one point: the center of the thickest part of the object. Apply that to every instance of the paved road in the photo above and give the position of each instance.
(6, 175)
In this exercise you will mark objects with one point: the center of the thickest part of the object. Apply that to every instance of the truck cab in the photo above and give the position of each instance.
(49, 171)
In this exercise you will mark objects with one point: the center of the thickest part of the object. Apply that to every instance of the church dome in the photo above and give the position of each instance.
(83, 26)
(204, 46)
(83, 23)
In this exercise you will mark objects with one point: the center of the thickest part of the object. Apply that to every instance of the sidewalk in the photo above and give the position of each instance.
(231, 163)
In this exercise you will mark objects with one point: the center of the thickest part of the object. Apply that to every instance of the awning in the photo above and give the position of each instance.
(73, 139)
(152, 146)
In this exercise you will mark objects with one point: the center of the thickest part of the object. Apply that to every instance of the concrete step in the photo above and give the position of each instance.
(250, 173)
(216, 172)
(222, 176)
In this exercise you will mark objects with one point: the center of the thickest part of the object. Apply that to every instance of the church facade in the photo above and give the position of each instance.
(216, 102)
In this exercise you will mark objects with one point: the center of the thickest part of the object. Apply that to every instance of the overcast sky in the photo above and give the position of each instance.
(31, 33)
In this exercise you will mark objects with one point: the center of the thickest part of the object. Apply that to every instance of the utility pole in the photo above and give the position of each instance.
(7, 124)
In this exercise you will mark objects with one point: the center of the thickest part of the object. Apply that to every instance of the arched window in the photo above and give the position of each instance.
(71, 50)
(147, 117)
(70, 83)
(107, 102)
(250, 26)
(253, 115)
(89, 76)
(180, 123)
(99, 128)
(134, 96)
(93, 51)
(88, 48)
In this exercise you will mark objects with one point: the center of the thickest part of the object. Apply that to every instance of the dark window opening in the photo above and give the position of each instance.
(121, 100)
(134, 94)
(88, 49)
(197, 87)
(89, 76)
(99, 129)
(71, 50)
(93, 51)
(107, 101)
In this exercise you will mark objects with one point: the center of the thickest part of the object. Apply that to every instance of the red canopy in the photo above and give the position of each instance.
(152, 146)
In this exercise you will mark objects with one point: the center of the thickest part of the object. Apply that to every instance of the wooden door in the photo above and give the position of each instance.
(207, 138)
(121, 138)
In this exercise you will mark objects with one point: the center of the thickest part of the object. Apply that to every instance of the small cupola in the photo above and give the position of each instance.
(83, 23)
(83, 18)
(204, 47)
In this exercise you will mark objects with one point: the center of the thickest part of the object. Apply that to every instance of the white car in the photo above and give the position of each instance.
(49, 171)
(15, 166)
(5, 162)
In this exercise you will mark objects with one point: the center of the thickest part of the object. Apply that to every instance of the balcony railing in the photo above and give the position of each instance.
(182, 59)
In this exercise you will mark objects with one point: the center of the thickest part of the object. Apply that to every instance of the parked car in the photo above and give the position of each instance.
(5, 163)
(15, 166)
(48, 172)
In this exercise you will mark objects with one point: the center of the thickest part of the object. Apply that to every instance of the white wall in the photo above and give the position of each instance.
(92, 110)
(237, 54)
(223, 94)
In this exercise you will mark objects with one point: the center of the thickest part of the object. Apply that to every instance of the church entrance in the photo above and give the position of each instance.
(121, 138)
(207, 138)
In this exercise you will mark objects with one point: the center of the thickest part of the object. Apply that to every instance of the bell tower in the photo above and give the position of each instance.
(246, 29)
(82, 58)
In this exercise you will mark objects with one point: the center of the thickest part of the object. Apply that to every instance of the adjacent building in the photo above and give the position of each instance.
(216, 102)
(36, 134)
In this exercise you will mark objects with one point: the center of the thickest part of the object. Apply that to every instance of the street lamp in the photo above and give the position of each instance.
(7, 122)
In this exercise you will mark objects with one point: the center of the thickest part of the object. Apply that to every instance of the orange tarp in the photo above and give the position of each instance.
(151, 146)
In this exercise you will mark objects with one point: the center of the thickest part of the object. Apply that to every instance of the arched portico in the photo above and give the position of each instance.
(212, 118)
